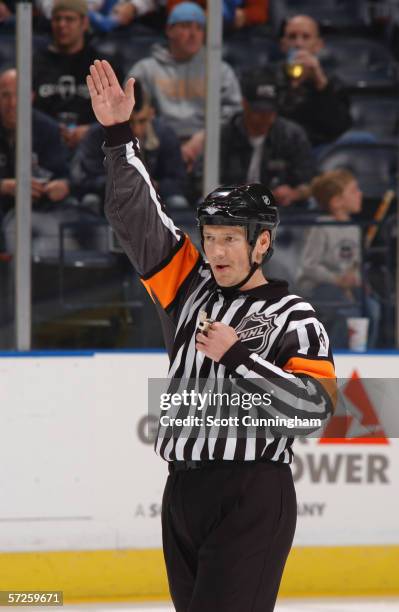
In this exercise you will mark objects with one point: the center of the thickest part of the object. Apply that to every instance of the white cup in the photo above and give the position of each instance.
(358, 328)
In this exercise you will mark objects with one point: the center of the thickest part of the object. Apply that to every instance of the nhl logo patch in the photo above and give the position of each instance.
(255, 330)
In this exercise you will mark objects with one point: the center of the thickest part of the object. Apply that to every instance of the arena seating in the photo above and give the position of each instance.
(369, 72)
(257, 52)
(334, 15)
(377, 115)
(374, 165)
(362, 64)
(127, 48)
(8, 48)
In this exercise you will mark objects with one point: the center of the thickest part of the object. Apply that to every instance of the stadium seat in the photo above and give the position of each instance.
(6, 301)
(254, 52)
(7, 51)
(82, 245)
(126, 49)
(377, 115)
(374, 165)
(86, 295)
(360, 63)
(333, 15)
(287, 252)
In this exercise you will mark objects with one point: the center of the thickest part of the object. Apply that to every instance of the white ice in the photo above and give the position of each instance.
(284, 605)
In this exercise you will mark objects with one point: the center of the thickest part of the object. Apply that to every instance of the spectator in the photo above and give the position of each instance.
(106, 15)
(5, 10)
(259, 146)
(50, 184)
(307, 95)
(7, 17)
(103, 15)
(172, 3)
(159, 147)
(237, 13)
(44, 7)
(59, 71)
(128, 11)
(330, 269)
(174, 78)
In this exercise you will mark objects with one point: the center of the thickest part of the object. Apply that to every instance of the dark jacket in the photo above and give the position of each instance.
(49, 154)
(59, 83)
(287, 157)
(10, 4)
(324, 114)
(161, 153)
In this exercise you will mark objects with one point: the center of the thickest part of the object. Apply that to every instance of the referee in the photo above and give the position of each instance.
(229, 505)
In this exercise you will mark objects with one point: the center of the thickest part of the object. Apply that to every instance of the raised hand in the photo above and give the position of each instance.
(111, 105)
(312, 66)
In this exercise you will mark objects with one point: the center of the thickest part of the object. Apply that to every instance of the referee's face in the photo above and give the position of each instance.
(227, 251)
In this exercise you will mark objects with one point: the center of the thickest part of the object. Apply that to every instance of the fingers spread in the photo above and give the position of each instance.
(129, 89)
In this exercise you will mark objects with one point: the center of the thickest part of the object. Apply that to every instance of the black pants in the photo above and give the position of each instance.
(227, 532)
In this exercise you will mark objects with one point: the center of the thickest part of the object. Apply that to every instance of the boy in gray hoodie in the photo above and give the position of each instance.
(175, 79)
(330, 267)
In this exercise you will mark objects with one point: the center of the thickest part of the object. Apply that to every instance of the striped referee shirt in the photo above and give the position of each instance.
(282, 346)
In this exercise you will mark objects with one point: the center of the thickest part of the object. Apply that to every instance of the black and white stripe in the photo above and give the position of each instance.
(294, 320)
(291, 328)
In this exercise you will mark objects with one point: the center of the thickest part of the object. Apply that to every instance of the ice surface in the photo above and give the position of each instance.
(284, 605)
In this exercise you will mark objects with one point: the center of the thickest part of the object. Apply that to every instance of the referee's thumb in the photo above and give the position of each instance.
(129, 89)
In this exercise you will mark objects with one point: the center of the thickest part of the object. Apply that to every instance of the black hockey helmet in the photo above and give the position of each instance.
(251, 206)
